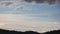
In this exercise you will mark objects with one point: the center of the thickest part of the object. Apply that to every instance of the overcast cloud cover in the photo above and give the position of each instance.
(36, 15)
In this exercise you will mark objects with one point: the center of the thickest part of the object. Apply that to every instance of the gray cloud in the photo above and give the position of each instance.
(5, 3)
(23, 8)
(38, 1)
(45, 1)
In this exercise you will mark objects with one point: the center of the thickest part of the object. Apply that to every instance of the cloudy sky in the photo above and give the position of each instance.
(35, 15)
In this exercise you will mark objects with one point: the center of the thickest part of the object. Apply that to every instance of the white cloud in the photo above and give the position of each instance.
(19, 22)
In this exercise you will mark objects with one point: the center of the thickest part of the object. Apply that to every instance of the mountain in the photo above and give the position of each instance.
(3, 31)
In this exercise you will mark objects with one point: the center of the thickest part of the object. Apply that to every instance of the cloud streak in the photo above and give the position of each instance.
(6, 3)
(23, 8)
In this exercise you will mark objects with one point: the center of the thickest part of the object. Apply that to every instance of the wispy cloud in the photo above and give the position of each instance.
(6, 3)
(23, 8)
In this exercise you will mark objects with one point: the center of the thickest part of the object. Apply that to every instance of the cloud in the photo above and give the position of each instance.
(10, 0)
(19, 22)
(23, 8)
(45, 1)
(6, 3)
(35, 1)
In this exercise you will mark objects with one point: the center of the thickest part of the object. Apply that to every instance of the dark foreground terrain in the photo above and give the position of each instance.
(2, 31)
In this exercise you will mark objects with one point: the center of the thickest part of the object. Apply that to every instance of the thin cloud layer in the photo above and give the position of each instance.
(20, 23)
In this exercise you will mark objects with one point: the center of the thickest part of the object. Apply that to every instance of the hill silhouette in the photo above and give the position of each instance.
(53, 32)
(3, 31)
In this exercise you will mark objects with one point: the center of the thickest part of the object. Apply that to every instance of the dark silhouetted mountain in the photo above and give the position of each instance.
(2, 31)
(53, 32)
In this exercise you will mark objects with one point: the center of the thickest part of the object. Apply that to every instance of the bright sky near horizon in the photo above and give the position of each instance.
(20, 15)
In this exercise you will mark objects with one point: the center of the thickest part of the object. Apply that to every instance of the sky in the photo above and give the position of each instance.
(35, 15)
